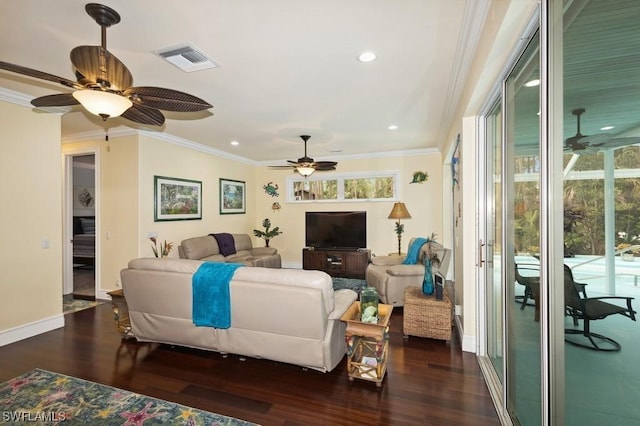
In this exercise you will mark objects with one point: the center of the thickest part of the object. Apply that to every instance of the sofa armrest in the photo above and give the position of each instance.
(387, 260)
(342, 300)
(406, 270)
(263, 251)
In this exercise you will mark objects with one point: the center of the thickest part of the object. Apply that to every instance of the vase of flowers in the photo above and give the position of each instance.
(430, 260)
(160, 251)
(427, 283)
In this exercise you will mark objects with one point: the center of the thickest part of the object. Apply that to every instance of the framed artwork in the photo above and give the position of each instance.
(83, 201)
(232, 197)
(177, 199)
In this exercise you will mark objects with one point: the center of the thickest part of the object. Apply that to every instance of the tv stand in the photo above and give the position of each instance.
(337, 262)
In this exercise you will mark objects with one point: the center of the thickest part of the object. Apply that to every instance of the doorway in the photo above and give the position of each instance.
(80, 218)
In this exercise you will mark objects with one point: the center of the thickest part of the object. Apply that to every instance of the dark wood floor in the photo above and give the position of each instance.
(427, 383)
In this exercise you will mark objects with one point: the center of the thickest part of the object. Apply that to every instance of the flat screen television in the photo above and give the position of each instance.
(336, 230)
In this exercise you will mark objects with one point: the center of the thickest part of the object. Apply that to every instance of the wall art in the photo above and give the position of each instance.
(232, 196)
(177, 199)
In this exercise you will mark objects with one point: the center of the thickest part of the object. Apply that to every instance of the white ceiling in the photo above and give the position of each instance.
(286, 68)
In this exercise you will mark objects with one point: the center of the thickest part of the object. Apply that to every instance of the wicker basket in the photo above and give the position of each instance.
(424, 316)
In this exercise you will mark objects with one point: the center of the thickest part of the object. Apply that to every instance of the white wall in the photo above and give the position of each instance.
(422, 201)
(166, 159)
(31, 218)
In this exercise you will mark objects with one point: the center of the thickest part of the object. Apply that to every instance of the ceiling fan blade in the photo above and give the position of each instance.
(39, 74)
(98, 65)
(166, 99)
(144, 115)
(62, 99)
(282, 167)
(597, 139)
(324, 165)
(294, 163)
(620, 142)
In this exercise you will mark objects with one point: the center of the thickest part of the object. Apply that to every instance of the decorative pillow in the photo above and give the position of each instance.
(88, 225)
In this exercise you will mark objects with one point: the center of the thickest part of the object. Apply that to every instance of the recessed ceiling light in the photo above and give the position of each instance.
(392, 127)
(607, 127)
(367, 57)
(532, 83)
(235, 143)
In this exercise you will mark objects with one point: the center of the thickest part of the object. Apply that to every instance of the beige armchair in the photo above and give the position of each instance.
(390, 277)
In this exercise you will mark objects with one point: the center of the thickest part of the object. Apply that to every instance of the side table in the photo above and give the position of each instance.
(121, 313)
(425, 316)
(367, 344)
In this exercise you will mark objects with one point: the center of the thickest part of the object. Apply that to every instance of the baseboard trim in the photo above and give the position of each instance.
(25, 331)
(292, 265)
(468, 342)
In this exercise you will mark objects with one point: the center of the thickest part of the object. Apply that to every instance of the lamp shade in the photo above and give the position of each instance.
(305, 170)
(399, 211)
(101, 103)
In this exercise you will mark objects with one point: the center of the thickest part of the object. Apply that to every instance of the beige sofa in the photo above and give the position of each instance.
(206, 248)
(390, 277)
(286, 315)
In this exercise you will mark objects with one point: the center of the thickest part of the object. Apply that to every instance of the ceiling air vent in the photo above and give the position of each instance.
(186, 57)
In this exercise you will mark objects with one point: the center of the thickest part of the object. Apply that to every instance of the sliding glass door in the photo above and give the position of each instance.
(561, 178)
(493, 241)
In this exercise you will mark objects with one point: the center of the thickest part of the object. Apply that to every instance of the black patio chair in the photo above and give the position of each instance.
(582, 291)
(591, 309)
(529, 281)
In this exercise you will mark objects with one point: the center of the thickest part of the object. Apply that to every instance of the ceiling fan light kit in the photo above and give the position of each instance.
(103, 104)
(104, 85)
(305, 170)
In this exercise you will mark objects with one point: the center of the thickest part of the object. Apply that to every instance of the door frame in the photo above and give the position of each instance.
(67, 218)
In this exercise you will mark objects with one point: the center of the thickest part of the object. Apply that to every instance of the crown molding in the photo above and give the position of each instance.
(98, 134)
(185, 143)
(367, 156)
(23, 100)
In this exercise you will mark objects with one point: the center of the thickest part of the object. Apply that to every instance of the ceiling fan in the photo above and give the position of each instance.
(305, 165)
(104, 85)
(582, 144)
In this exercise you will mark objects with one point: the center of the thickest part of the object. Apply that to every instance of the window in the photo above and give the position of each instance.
(359, 186)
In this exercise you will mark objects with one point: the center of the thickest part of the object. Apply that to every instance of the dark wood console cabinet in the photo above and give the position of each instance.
(337, 263)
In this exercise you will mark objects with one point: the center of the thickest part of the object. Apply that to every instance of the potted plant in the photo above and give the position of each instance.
(268, 233)
(163, 250)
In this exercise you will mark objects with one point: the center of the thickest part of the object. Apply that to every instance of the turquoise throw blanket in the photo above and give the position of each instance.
(414, 251)
(211, 305)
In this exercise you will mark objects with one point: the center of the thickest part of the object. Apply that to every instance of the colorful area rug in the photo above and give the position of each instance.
(350, 283)
(46, 398)
(70, 305)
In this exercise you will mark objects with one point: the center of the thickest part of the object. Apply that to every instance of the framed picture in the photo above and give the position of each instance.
(177, 199)
(232, 197)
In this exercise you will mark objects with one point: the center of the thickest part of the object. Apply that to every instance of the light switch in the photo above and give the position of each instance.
(44, 243)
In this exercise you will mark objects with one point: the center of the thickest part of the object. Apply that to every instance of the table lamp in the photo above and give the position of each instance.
(399, 211)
